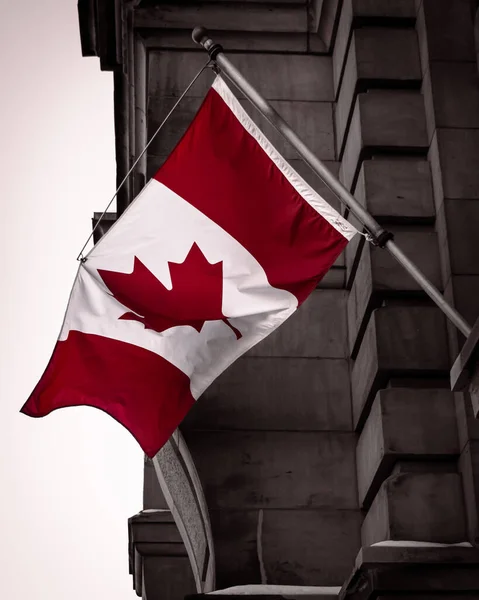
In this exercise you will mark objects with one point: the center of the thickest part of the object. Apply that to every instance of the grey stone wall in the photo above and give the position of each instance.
(406, 117)
(451, 93)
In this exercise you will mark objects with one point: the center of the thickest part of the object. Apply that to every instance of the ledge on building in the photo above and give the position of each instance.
(274, 592)
(153, 534)
(399, 568)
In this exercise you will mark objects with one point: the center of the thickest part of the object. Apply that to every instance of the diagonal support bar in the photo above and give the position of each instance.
(380, 236)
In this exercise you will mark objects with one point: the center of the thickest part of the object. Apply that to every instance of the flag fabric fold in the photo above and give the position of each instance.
(219, 248)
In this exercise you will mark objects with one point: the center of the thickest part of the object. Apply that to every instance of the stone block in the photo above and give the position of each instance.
(433, 595)
(352, 252)
(316, 329)
(394, 553)
(253, 17)
(360, 277)
(155, 527)
(393, 119)
(436, 174)
(335, 278)
(473, 391)
(303, 2)
(339, 262)
(396, 189)
(284, 547)
(415, 507)
(457, 150)
(314, 14)
(275, 592)
(311, 121)
(454, 336)
(462, 218)
(167, 577)
(415, 424)
(364, 10)
(156, 549)
(309, 547)
(102, 223)
(466, 362)
(393, 9)
(291, 77)
(469, 468)
(454, 95)
(347, 94)
(467, 424)
(465, 293)
(265, 469)
(409, 571)
(446, 31)
(282, 394)
(236, 546)
(376, 54)
(442, 240)
(379, 274)
(153, 497)
(383, 120)
(387, 53)
(399, 341)
(327, 24)
(426, 90)
(341, 42)
(249, 41)
(170, 72)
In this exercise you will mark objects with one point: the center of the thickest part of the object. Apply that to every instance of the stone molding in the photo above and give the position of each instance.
(183, 492)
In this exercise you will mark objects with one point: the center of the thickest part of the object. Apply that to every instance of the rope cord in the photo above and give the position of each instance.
(80, 256)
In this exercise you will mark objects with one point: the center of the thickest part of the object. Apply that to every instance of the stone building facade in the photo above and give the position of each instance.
(314, 455)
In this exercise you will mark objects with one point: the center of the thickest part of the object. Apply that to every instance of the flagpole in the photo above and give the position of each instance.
(380, 236)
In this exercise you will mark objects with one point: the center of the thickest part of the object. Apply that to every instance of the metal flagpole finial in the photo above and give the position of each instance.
(201, 36)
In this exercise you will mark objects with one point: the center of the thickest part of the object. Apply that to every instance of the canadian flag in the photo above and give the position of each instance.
(219, 249)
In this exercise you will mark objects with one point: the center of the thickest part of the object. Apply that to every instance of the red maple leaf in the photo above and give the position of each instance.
(196, 296)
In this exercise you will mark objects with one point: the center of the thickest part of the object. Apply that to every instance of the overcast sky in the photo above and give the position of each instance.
(69, 481)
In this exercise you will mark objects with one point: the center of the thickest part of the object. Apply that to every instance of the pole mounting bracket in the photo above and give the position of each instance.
(383, 238)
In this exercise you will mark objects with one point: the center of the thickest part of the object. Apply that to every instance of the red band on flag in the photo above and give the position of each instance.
(141, 390)
(219, 168)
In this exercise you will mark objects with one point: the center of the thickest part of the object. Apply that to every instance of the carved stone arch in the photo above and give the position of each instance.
(183, 492)
(171, 545)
